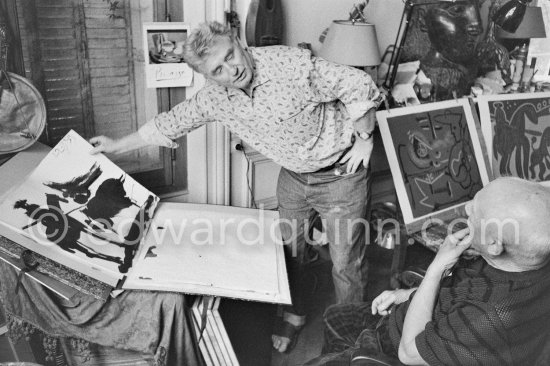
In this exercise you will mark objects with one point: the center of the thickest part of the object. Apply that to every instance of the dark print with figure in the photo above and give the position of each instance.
(78, 188)
(521, 137)
(80, 210)
(436, 158)
(109, 199)
(60, 228)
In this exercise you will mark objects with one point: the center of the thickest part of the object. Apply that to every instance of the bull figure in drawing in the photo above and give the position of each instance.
(109, 199)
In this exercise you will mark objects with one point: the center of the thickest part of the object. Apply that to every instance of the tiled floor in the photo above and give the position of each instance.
(322, 294)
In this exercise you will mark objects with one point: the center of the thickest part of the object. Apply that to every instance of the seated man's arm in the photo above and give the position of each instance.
(421, 307)
(382, 303)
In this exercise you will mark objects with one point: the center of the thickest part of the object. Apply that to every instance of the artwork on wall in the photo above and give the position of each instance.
(516, 129)
(539, 48)
(435, 158)
(163, 54)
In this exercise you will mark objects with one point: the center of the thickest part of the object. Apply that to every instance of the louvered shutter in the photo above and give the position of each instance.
(79, 54)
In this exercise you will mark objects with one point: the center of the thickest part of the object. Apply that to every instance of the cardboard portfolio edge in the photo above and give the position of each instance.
(20, 238)
(58, 287)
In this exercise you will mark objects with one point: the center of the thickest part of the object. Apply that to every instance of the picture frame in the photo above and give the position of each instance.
(436, 160)
(163, 55)
(539, 48)
(516, 129)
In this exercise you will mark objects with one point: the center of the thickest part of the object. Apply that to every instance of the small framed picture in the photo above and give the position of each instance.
(539, 48)
(516, 129)
(163, 48)
(435, 158)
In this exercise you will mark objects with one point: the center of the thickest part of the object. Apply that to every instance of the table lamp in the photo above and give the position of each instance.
(532, 26)
(351, 43)
(510, 15)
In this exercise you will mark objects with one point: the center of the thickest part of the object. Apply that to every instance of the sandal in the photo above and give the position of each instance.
(285, 330)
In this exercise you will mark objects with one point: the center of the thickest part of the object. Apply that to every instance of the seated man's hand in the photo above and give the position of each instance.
(386, 299)
(359, 153)
(448, 253)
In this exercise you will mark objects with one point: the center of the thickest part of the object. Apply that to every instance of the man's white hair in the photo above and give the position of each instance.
(201, 40)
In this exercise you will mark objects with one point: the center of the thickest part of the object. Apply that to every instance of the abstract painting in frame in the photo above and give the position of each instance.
(435, 158)
(516, 129)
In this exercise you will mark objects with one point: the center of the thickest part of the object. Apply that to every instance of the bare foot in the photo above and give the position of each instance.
(280, 343)
(287, 332)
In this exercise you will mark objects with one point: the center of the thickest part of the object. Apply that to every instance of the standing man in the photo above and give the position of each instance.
(306, 114)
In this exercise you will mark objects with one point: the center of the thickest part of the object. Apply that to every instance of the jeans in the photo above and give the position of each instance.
(343, 202)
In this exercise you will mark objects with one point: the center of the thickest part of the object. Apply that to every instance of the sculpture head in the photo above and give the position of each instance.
(454, 29)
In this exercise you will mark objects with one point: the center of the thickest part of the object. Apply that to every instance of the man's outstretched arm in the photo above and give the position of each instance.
(104, 144)
(422, 305)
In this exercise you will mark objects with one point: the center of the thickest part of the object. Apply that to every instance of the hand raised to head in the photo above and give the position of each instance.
(452, 248)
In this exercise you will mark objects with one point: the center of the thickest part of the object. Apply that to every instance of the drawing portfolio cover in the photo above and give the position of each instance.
(85, 213)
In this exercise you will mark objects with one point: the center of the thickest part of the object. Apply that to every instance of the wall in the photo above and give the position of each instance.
(306, 19)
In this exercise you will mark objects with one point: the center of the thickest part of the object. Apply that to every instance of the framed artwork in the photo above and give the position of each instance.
(539, 48)
(214, 342)
(163, 54)
(516, 129)
(435, 158)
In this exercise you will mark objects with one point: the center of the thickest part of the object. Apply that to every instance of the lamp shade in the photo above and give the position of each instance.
(532, 25)
(351, 43)
(510, 15)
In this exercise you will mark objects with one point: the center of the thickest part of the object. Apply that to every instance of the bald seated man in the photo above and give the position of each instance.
(491, 310)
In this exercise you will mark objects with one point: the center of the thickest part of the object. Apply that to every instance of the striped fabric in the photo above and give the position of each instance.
(485, 316)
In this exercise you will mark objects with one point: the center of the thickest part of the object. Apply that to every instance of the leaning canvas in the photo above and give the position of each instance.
(84, 212)
(81, 210)
(435, 159)
(516, 129)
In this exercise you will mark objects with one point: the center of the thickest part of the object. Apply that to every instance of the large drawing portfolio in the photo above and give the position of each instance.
(85, 213)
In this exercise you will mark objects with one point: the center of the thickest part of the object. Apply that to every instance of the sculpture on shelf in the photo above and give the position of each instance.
(490, 54)
(454, 29)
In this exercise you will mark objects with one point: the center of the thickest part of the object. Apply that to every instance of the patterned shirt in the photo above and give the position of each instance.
(301, 113)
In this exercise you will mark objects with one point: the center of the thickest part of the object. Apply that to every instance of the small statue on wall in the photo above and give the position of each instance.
(454, 30)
